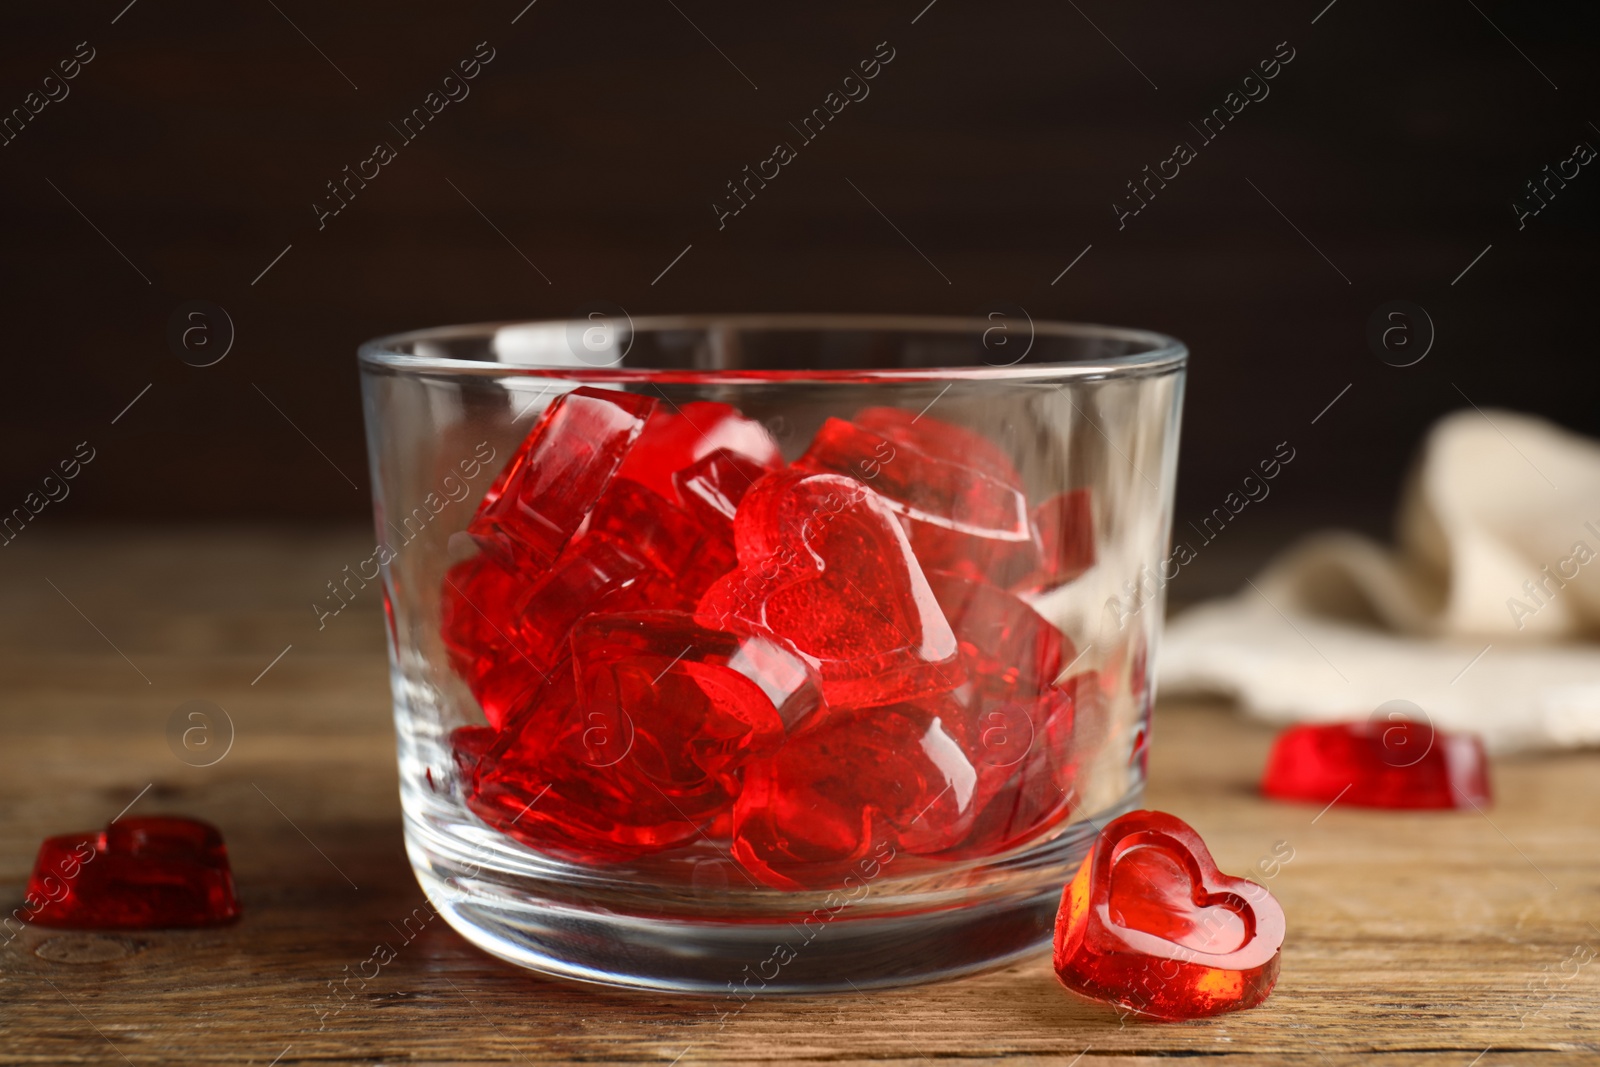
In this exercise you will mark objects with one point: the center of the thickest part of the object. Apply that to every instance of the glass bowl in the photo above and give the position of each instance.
(743, 654)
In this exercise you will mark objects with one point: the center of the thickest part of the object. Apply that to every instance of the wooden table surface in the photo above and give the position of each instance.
(1453, 939)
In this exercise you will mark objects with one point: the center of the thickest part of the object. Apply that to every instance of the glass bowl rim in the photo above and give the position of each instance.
(1163, 355)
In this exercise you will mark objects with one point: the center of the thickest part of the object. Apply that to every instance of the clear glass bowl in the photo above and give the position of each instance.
(917, 664)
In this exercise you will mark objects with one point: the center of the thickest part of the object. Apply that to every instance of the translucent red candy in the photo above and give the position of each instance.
(479, 599)
(691, 552)
(639, 742)
(1026, 760)
(550, 483)
(843, 787)
(565, 778)
(712, 487)
(824, 565)
(941, 440)
(1015, 723)
(1065, 524)
(469, 744)
(730, 696)
(1378, 764)
(506, 633)
(1005, 644)
(960, 518)
(138, 873)
(676, 639)
(1150, 924)
(676, 438)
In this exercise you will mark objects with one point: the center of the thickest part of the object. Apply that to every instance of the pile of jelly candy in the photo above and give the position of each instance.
(1150, 924)
(677, 637)
(154, 871)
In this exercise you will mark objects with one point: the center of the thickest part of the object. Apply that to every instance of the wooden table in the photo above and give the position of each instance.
(1425, 938)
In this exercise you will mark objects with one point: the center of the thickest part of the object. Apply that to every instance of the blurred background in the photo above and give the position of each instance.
(192, 155)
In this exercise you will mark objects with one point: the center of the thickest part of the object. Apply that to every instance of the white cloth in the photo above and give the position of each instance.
(1485, 615)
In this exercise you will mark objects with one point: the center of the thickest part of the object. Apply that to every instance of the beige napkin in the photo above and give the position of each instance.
(1485, 616)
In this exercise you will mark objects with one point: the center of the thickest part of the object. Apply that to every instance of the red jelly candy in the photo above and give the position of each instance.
(1066, 535)
(481, 605)
(1379, 764)
(712, 486)
(1150, 924)
(557, 474)
(676, 438)
(506, 632)
(1006, 645)
(468, 745)
(847, 785)
(941, 440)
(588, 782)
(959, 518)
(694, 554)
(138, 873)
(689, 694)
(824, 565)
(1026, 761)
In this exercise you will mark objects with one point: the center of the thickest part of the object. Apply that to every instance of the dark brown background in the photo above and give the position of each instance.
(997, 138)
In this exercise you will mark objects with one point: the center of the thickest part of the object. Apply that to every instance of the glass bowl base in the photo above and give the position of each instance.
(824, 950)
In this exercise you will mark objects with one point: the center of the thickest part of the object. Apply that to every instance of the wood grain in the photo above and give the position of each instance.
(1413, 939)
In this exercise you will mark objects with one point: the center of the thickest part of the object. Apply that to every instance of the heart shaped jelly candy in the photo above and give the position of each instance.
(556, 475)
(137, 873)
(824, 565)
(960, 518)
(1382, 764)
(1150, 924)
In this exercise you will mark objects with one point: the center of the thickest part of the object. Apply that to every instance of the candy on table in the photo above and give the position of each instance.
(1065, 524)
(959, 518)
(824, 565)
(1378, 764)
(1150, 924)
(846, 785)
(138, 873)
(678, 437)
(505, 632)
(557, 474)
